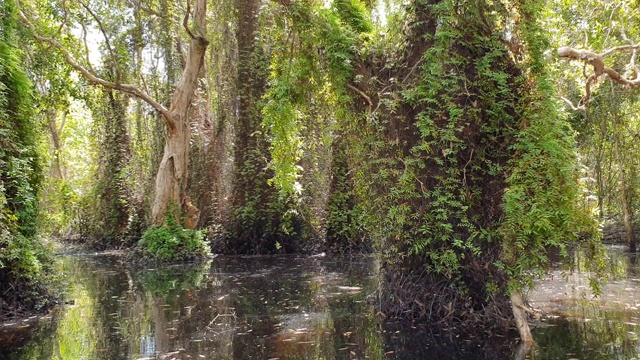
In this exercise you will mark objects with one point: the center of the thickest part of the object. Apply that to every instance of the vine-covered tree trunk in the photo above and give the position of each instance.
(256, 224)
(57, 171)
(461, 163)
(344, 230)
(212, 158)
(112, 186)
(625, 200)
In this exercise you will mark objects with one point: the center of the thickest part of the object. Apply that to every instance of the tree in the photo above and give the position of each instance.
(465, 171)
(171, 179)
(610, 47)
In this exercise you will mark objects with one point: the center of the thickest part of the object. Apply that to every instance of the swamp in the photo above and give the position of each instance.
(302, 308)
(319, 179)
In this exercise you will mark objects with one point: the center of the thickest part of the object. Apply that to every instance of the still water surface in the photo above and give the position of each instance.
(300, 308)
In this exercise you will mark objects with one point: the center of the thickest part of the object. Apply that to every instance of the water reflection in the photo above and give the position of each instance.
(232, 308)
(302, 308)
(587, 327)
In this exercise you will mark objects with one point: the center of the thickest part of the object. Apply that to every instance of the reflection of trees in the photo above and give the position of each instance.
(83, 330)
(314, 318)
(608, 331)
(235, 308)
(30, 343)
(597, 339)
(164, 300)
(90, 324)
(632, 269)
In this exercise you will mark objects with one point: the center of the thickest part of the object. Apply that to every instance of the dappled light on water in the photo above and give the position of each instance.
(304, 308)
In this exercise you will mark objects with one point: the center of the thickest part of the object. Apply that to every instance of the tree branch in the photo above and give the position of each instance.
(599, 68)
(573, 107)
(185, 20)
(361, 93)
(114, 59)
(86, 47)
(95, 80)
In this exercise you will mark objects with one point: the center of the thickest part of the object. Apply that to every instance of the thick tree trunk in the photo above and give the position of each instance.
(171, 179)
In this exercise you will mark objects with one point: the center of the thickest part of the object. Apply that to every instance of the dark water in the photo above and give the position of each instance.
(294, 308)
(579, 326)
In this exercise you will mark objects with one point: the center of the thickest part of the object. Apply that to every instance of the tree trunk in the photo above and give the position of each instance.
(520, 314)
(624, 191)
(171, 179)
(57, 171)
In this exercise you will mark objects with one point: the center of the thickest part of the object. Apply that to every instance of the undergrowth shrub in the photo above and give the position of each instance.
(171, 242)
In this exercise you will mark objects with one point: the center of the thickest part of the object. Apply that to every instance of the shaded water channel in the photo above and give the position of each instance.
(298, 308)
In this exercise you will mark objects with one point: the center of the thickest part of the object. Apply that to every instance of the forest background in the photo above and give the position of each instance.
(452, 138)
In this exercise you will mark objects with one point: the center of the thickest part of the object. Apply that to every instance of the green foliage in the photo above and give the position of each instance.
(345, 214)
(306, 86)
(20, 172)
(25, 258)
(24, 261)
(299, 74)
(353, 13)
(542, 201)
(171, 242)
(19, 161)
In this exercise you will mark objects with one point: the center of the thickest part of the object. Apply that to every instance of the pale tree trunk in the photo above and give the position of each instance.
(172, 173)
(171, 179)
(520, 314)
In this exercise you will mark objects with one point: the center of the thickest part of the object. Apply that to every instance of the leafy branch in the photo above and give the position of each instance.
(92, 78)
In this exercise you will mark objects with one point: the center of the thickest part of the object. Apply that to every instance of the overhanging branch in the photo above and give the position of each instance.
(95, 80)
(599, 68)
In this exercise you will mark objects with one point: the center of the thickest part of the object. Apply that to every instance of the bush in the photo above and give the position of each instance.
(171, 242)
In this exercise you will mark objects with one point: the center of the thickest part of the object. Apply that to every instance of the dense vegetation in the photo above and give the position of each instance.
(24, 262)
(439, 134)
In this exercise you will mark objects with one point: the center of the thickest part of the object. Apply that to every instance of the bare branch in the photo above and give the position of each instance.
(599, 68)
(634, 54)
(95, 80)
(86, 47)
(185, 20)
(114, 59)
(361, 93)
(573, 107)
(619, 48)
